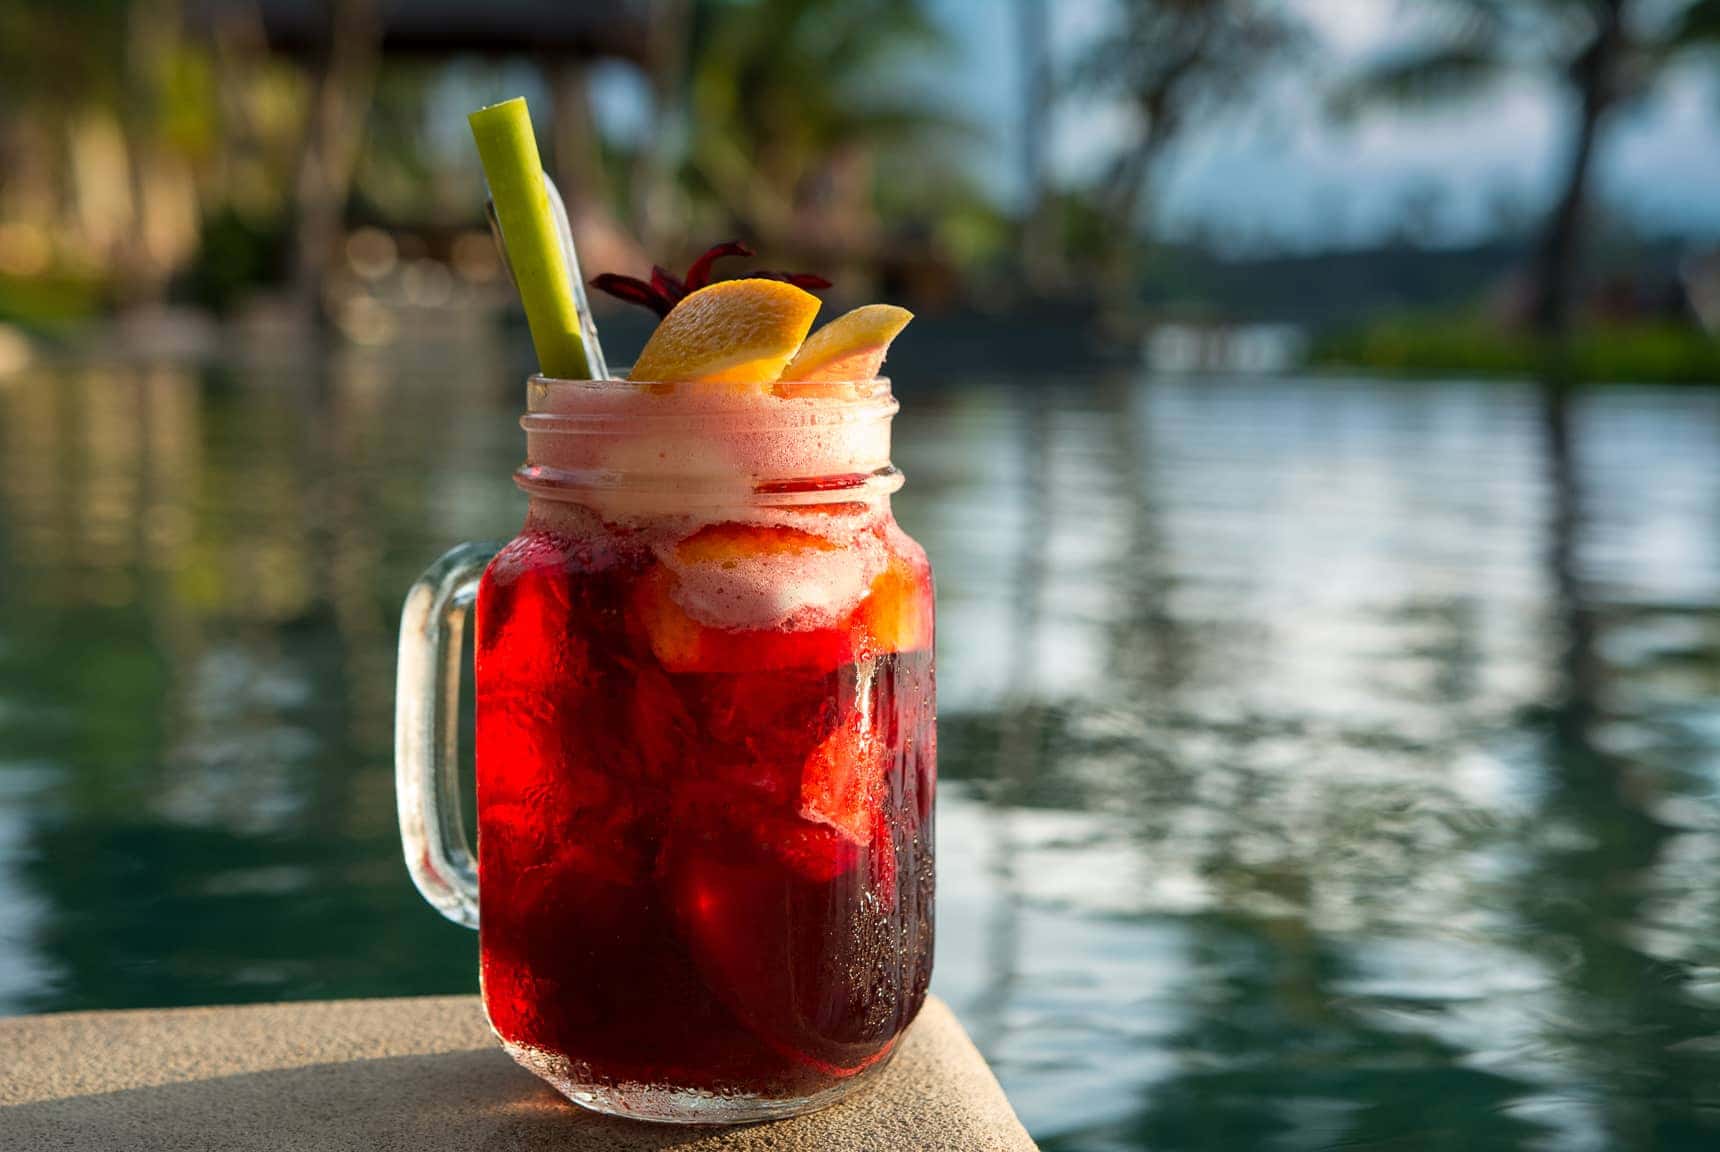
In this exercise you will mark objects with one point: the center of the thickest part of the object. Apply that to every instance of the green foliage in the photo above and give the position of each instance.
(238, 253)
(48, 304)
(1698, 26)
(951, 209)
(396, 178)
(1424, 75)
(1169, 56)
(1604, 54)
(1468, 44)
(1173, 63)
(1472, 346)
(60, 57)
(779, 89)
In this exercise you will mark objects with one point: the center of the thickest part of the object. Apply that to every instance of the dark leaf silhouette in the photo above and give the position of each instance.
(663, 291)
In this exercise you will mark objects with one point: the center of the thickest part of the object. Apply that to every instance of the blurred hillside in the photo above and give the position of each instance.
(175, 170)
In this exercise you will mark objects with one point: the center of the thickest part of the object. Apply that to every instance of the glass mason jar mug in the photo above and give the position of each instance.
(705, 749)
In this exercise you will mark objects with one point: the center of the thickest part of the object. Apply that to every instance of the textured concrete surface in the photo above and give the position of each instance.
(418, 1074)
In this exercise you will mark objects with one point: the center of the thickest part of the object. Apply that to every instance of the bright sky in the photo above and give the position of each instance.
(1281, 173)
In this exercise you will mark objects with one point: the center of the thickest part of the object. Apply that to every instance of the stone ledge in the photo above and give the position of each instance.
(420, 1075)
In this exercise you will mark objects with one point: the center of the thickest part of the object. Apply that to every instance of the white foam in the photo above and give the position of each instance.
(806, 588)
(660, 466)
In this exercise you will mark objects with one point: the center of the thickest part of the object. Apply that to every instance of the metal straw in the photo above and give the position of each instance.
(564, 228)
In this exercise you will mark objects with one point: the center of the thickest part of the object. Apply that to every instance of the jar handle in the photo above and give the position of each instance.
(427, 732)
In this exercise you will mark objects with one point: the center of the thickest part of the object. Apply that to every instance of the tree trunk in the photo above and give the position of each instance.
(1039, 253)
(149, 243)
(1124, 197)
(1557, 270)
(332, 139)
(1579, 663)
(654, 191)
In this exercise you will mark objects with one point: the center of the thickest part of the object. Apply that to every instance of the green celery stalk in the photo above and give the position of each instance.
(509, 153)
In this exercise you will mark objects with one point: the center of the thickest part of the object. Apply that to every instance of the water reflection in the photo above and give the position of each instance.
(196, 677)
(1392, 773)
(1329, 763)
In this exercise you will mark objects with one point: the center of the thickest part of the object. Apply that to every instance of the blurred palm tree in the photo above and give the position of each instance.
(1041, 253)
(788, 106)
(334, 135)
(1172, 63)
(1602, 54)
(103, 117)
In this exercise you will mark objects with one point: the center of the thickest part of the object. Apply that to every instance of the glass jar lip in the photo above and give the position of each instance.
(853, 391)
(572, 406)
(809, 442)
(621, 382)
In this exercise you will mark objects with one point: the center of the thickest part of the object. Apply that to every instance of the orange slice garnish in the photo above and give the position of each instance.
(740, 332)
(897, 614)
(850, 347)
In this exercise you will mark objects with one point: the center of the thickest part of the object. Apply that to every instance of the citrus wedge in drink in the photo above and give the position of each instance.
(849, 348)
(736, 332)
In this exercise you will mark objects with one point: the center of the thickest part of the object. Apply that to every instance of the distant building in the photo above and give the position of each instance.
(1701, 275)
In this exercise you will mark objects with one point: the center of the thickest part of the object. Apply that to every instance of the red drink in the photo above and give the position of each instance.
(705, 738)
(705, 852)
(705, 748)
